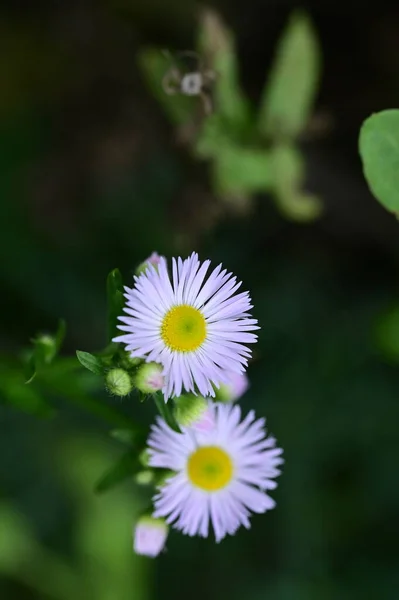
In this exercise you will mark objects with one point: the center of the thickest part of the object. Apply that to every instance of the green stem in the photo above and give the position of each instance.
(166, 413)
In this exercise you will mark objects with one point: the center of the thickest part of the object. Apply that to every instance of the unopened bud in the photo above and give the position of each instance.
(118, 382)
(189, 409)
(47, 345)
(144, 477)
(149, 536)
(149, 378)
(235, 387)
(46, 340)
(153, 260)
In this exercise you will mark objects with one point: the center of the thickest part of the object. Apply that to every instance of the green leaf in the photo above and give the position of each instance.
(155, 65)
(289, 95)
(379, 150)
(216, 44)
(242, 170)
(212, 135)
(288, 168)
(115, 301)
(124, 468)
(26, 398)
(90, 362)
(166, 412)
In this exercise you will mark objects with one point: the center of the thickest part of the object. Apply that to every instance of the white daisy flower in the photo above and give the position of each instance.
(196, 327)
(221, 473)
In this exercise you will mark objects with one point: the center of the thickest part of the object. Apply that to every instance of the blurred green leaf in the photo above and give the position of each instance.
(125, 436)
(211, 136)
(216, 44)
(155, 65)
(289, 94)
(125, 467)
(16, 540)
(379, 150)
(300, 206)
(288, 174)
(22, 557)
(60, 335)
(103, 564)
(103, 530)
(166, 412)
(90, 362)
(387, 334)
(242, 170)
(25, 398)
(115, 301)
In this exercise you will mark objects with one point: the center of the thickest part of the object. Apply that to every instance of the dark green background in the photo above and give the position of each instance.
(92, 179)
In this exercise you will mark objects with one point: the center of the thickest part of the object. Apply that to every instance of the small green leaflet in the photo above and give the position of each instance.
(379, 150)
(90, 362)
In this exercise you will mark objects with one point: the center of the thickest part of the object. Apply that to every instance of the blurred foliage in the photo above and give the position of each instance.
(288, 169)
(103, 566)
(45, 349)
(243, 148)
(289, 97)
(90, 180)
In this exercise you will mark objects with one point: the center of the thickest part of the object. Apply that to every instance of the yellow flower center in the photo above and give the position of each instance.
(183, 328)
(210, 468)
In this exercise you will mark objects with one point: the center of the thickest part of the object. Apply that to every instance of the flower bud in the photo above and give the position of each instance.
(190, 409)
(46, 340)
(149, 536)
(144, 477)
(235, 387)
(118, 382)
(206, 422)
(47, 346)
(153, 260)
(149, 378)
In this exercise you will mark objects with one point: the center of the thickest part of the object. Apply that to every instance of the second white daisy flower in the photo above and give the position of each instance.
(196, 327)
(221, 472)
